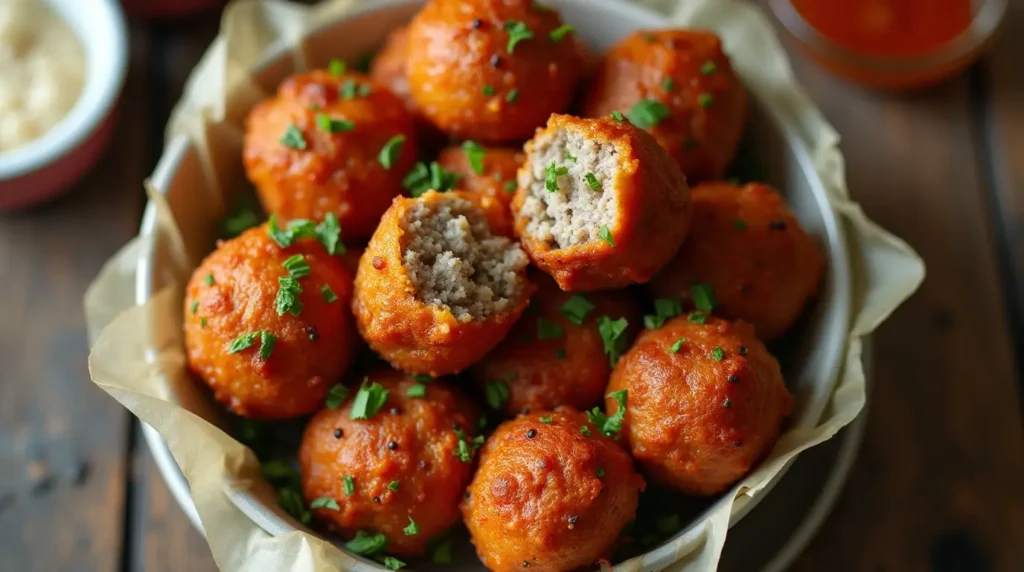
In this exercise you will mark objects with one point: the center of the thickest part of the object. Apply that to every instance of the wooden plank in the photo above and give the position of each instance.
(62, 440)
(937, 483)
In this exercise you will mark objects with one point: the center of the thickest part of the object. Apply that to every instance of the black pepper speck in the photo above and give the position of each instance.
(311, 332)
(376, 500)
(495, 61)
(737, 443)
(392, 445)
(477, 24)
(338, 433)
(396, 410)
(733, 378)
(727, 403)
(743, 350)
(777, 225)
(531, 433)
(466, 495)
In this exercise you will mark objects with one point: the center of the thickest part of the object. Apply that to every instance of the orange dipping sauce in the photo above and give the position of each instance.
(888, 27)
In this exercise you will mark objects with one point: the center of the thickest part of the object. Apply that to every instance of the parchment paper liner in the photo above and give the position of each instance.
(138, 369)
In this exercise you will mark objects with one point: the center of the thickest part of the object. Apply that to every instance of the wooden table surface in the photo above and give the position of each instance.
(939, 483)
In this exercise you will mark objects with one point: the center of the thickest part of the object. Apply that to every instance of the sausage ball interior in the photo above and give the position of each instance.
(680, 86)
(551, 494)
(436, 290)
(600, 205)
(705, 402)
(491, 70)
(396, 458)
(557, 353)
(487, 177)
(330, 143)
(267, 327)
(746, 246)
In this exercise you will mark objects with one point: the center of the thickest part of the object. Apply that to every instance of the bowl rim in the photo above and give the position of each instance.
(785, 119)
(85, 116)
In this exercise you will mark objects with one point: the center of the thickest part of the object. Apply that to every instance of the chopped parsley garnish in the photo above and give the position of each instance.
(442, 553)
(668, 84)
(511, 186)
(708, 67)
(705, 100)
(647, 113)
(465, 449)
(393, 486)
(610, 424)
(548, 330)
(290, 500)
(678, 345)
(327, 232)
(349, 484)
(412, 529)
(576, 309)
(551, 175)
(560, 32)
(488, 90)
(612, 336)
(585, 431)
(297, 266)
(336, 395)
(351, 89)
(650, 38)
(592, 182)
(327, 124)
(278, 470)
(390, 152)
(739, 224)
(512, 96)
(664, 309)
(202, 322)
(423, 178)
(238, 221)
(570, 157)
(617, 116)
(195, 307)
(336, 67)
(422, 378)
(475, 154)
(599, 472)
(496, 393)
(293, 138)
(242, 342)
(324, 502)
(329, 296)
(208, 280)
(517, 32)
(368, 400)
(392, 563)
(416, 390)
(698, 318)
(287, 301)
(718, 353)
(267, 343)
(606, 235)
(366, 544)
(703, 296)
(545, 420)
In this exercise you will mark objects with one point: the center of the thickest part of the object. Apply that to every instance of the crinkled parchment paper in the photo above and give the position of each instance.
(137, 355)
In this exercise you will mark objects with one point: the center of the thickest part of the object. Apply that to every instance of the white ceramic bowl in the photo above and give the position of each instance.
(811, 359)
(43, 168)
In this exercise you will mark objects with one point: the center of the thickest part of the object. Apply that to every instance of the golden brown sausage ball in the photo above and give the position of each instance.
(555, 355)
(269, 354)
(491, 70)
(435, 290)
(704, 402)
(407, 462)
(330, 144)
(749, 249)
(600, 205)
(488, 178)
(680, 86)
(552, 494)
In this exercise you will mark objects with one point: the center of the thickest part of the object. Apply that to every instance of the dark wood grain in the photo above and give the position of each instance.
(938, 482)
(62, 440)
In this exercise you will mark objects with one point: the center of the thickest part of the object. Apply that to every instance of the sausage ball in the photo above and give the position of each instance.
(491, 70)
(268, 328)
(435, 290)
(330, 143)
(551, 494)
(407, 461)
(680, 86)
(746, 246)
(556, 354)
(600, 205)
(704, 402)
(487, 177)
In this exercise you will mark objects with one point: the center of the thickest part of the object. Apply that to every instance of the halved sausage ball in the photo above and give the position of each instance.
(552, 493)
(557, 353)
(600, 205)
(436, 290)
(396, 458)
(330, 143)
(704, 402)
(491, 71)
(748, 249)
(680, 86)
(487, 177)
(268, 328)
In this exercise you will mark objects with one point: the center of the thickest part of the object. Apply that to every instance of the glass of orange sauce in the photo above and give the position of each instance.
(899, 44)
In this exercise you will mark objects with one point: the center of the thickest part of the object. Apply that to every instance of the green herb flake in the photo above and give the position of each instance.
(668, 307)
(610, 424)
(617, 116)
(650, 38)
(350, 89)
(705, 100)
(585, 430)
(570, 157)
(576, 309)
(236, 222)
(612, 336)
(551, 175)
(561, 32)
(292, 138)
(287, 300)
(391, 151)
(417, 391)
(366, 544)
(718, 354)
(678, 345)
(349, 484)
(327, 124)
(466, 448)
(290, 500)
(194, 307)
(422, 378)
(336, 67)
(336, 395)
(267, 343)
(668, 84)
(243, 342)
(592, 182)
(600, 472)
(606, 235)
(393, 486)
(488, 90)
(698, 318)
(442, 553)
(511, 186)
(547, 330)
(653, 322)
(546, 420)
(512, 96)
(412, 529)
(708, 68)
(392, 563)
(208, 280)
(647, 114)
(475, 154)
(423, 178)
(297, 266)
(368, 400)
(202, 322)
(517, 32)
(496, 393)
(278, 470)
(703, 297)
(328, 295)
(324, 502)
